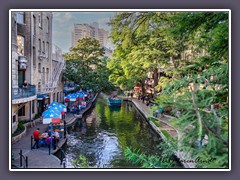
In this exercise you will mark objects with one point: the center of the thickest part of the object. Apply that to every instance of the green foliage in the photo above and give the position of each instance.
(197, 45)
(86, 66)
(151, 161)
(20, 128)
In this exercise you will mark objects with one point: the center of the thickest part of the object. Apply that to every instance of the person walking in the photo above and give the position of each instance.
(63, 114)
(36, 136)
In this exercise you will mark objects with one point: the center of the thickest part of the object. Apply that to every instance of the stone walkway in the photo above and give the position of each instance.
(37, 158)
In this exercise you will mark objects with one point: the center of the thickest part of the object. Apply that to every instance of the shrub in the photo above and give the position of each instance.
(20, 128)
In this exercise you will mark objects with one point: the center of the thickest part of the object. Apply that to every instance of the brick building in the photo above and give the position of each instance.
(36, 60)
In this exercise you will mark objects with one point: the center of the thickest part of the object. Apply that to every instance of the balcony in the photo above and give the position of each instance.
(20, 95)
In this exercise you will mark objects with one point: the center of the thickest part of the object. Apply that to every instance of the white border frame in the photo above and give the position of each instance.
(114, 10)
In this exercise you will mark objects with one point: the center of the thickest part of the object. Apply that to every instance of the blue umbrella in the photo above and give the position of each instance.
(56, 108)
(73, 97)
(51, 110)
(61, 107)
(53, 103)
(51, 117)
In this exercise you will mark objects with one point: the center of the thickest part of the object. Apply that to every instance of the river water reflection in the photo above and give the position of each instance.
(103, 135)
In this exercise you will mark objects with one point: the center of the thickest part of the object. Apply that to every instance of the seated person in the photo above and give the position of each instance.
(45, 134)
(25, 84)
(55, 134)
(49, 140)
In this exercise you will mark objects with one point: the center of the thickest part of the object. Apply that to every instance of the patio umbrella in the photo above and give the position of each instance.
(51, 110)
(67, 98)
(51, 117)
(61, 106)
(58, 106)
(56, 109)
(73, 97)
(80, 96)
(53, 104)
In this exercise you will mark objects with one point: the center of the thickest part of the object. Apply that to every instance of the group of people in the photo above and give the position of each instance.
(146, 99)
(76, 107)
(45, 138)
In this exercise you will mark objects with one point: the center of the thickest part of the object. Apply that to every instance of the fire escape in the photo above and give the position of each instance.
(56, 73)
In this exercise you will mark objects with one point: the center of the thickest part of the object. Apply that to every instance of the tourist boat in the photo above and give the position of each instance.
(115, 102)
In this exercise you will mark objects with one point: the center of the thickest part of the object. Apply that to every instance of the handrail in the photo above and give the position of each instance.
(62, 157)
(21, 160)
(18, 93)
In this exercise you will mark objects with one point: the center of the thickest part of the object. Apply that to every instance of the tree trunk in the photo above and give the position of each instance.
(155, 78)
(143, 88)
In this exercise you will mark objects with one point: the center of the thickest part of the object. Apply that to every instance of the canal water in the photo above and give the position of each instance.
(103, 134)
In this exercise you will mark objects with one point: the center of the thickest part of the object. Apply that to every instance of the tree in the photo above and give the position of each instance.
(141, 44)
(196, 76)
(201, 82)
(86, 66)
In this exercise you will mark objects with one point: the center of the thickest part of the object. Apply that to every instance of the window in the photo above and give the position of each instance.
(57, 96)
(39, 45)
(47, 24)
(47, 74)
(21, 111)
(33, 107)
(39, 67)
(20, 18)
(53, 96)
(14, 119)
(43, 76)
(40, 20)
(47, 49)
(43, 47)
(34, 57)
(20, 42)
(39, 87)
(21, 78)
(34, 25)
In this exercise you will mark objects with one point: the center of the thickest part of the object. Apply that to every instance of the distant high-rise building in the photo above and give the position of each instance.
(85, 30)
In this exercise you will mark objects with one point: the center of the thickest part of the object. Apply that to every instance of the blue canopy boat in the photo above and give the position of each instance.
(114, 102)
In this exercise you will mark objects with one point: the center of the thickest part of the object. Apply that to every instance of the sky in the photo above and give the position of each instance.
(63, 25)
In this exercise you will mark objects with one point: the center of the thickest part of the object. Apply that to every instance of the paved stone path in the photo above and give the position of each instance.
(37, 158)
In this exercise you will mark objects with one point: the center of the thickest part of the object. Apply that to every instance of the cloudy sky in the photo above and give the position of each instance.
(63, 25)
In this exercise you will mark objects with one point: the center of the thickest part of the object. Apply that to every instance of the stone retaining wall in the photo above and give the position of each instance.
(17, 138)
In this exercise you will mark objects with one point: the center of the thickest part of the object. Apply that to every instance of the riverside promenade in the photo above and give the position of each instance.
(40, 158)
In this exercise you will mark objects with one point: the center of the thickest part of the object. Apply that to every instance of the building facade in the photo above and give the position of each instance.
(85, 30)
(32, 62)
